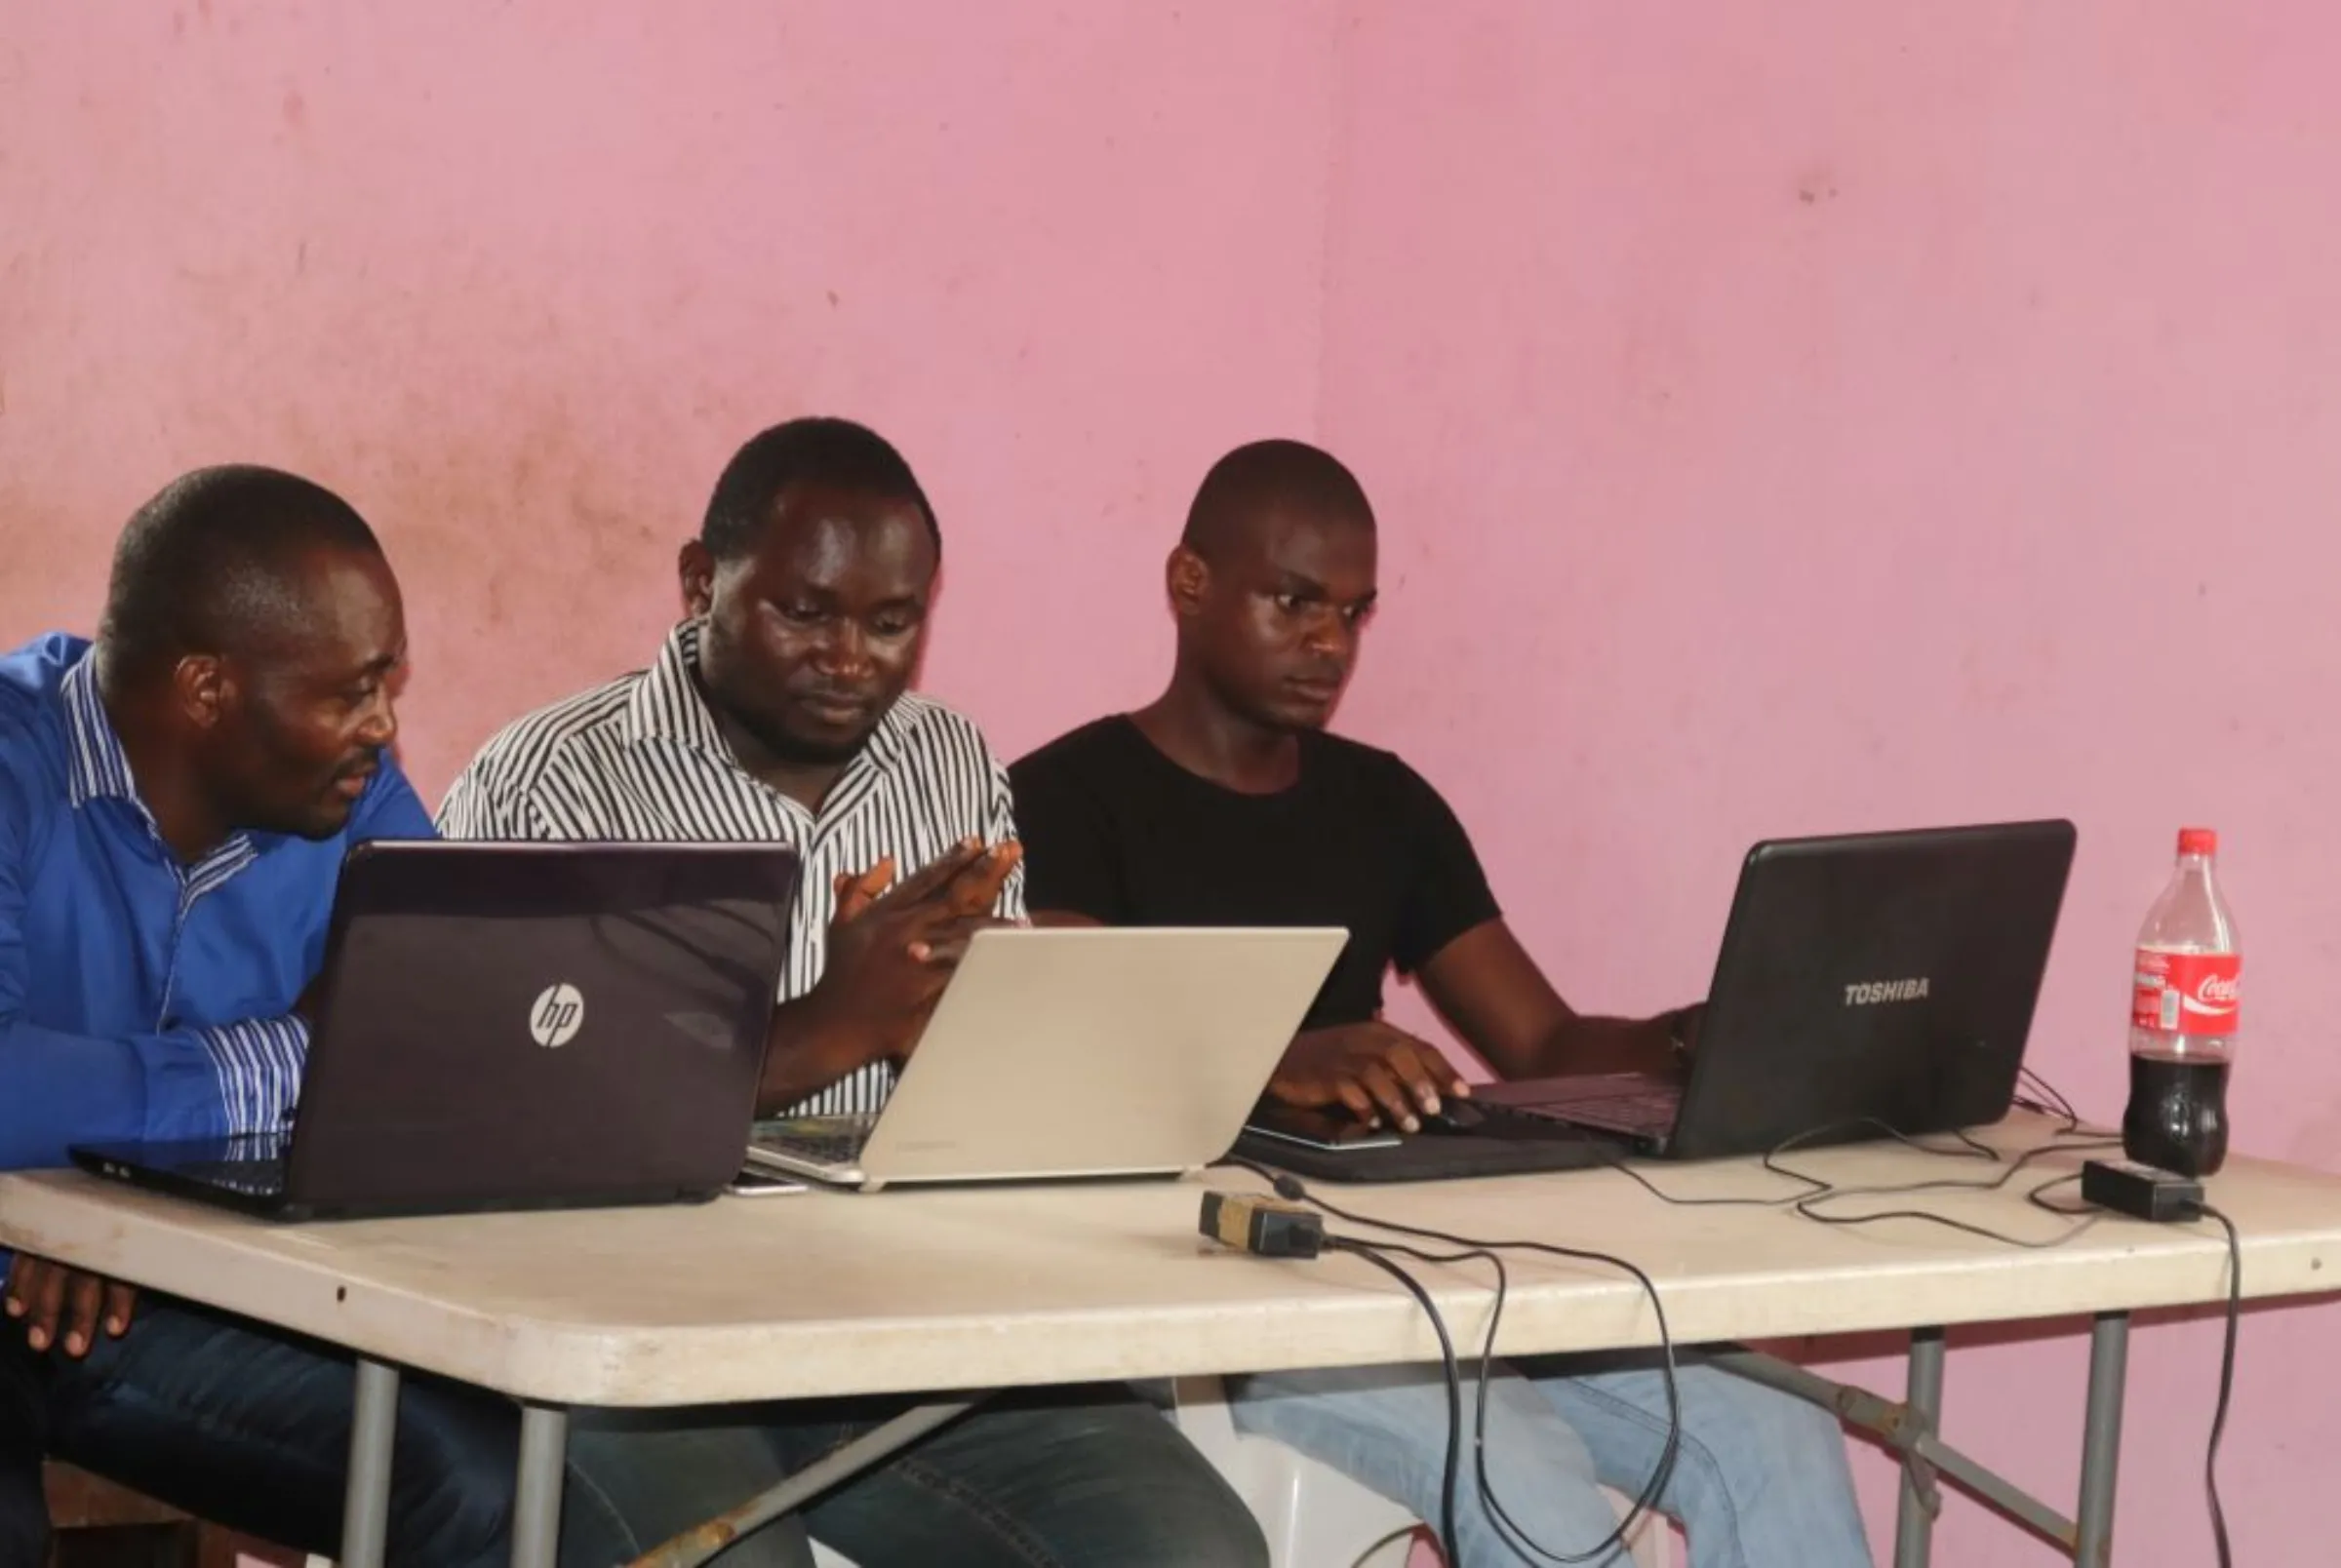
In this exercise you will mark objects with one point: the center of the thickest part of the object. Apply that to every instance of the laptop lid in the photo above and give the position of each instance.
(1874, 978)
(523, 1024)
(1098, 1051)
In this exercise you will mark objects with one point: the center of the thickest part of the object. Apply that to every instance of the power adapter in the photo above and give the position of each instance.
(2141, 1190)
(1265, 1226)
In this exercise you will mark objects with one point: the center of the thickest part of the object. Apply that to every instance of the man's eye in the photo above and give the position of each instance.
(801, 614)
(1290, 604)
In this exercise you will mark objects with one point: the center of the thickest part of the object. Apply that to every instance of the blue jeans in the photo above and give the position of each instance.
(251, 1429)
(1761, 1481)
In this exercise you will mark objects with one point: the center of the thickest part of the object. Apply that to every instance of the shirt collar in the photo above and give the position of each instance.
(98, 767)
(668, 704)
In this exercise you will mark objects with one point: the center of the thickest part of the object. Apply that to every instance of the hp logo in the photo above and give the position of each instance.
(557, 1016)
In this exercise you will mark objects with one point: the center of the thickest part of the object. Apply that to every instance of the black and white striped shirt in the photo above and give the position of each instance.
(642, 760)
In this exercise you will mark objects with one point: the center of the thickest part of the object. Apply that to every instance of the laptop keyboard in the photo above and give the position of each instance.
(1640, 1111)
(819, 1140)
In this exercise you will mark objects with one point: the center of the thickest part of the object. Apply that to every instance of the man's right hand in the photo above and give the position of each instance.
(891, 951)
(46, 1297)
(1380, 1073)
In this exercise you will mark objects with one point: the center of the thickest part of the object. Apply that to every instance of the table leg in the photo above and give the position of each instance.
(536, 1508)
(365, 1497)
(2101, 1440)
(1913, 1521)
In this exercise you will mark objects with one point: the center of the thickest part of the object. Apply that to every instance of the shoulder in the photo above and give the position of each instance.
(33, 733)
(934, 736)
(1387, 778)
(30, 675)
(1345, 758)
(1098, 748)
(519, 757)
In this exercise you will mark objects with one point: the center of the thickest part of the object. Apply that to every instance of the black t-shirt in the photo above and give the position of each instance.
(1118, 832)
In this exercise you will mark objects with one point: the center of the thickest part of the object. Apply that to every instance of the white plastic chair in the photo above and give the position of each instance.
(1313, 1516)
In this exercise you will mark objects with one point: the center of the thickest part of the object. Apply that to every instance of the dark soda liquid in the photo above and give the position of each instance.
(2177, 1116)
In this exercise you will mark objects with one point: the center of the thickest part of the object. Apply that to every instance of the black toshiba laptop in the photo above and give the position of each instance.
(1868, 985)
(516, 1026)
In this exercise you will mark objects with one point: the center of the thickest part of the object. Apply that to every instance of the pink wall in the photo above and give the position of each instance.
(519, 278)
(1825, 417)
(1815, 416)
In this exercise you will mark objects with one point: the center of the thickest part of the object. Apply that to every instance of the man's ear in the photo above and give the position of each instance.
(203, 687)
(694, 568)
(1187, 577)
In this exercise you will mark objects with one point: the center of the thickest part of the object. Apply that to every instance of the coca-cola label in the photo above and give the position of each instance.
(2187, 993)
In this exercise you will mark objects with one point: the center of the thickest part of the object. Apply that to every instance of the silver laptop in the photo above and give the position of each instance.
(1071, 1052)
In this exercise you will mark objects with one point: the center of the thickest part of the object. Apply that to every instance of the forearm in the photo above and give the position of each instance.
(1582, 1045)
(806, 1051)
(58, 1089)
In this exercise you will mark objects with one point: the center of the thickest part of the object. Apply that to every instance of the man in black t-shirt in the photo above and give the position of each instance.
(1224, 802)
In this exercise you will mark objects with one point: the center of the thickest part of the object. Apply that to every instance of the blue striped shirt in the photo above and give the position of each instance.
(142, 997)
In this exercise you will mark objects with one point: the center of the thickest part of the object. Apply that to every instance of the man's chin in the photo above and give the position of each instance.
(1297, 713)
(810, 743)
(821, 750)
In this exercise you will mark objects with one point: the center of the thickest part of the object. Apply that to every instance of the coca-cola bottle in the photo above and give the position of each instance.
(2182, 1023)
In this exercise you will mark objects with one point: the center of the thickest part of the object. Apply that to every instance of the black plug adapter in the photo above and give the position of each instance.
(2141, 1190)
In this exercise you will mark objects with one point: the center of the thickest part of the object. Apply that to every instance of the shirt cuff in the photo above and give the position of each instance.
(260, 1061)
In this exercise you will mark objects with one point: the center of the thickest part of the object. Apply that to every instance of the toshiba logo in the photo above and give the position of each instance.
(1870, 993)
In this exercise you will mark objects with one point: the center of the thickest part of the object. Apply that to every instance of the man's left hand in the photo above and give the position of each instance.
(47, 1296)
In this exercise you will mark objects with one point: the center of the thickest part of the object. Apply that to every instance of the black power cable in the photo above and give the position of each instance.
(1454, 1380)
(1291, 1189)
(2073, 1137)
(2227, 1376)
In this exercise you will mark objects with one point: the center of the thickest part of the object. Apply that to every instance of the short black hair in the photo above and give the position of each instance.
(1266, 476)
(209, 562)
(815, 450)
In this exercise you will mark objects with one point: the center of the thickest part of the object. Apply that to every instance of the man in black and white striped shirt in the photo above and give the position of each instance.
(646, 756)
(778, 711)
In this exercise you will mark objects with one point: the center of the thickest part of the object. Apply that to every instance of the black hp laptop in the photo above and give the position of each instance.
(1869, 984)
(517, 1026)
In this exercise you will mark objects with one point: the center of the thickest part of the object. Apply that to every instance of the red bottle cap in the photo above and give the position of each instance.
(2197, 842)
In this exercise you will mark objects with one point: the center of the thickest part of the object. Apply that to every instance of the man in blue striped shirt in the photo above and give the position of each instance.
(174, 802)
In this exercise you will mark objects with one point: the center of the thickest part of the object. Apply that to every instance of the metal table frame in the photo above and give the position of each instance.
(1911, 1428)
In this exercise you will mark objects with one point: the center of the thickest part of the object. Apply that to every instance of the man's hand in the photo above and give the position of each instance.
(1379, 1071)
(891, 948)
(1683, 1031)
(47, 1297)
